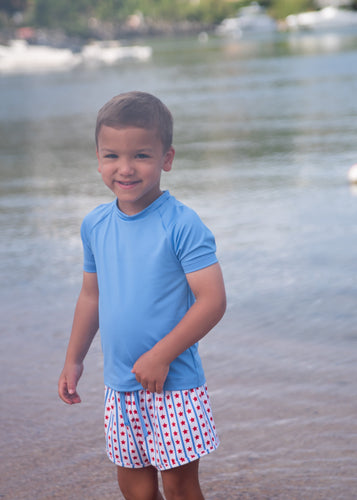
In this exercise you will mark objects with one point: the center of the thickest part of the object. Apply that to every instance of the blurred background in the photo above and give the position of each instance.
(265, 109)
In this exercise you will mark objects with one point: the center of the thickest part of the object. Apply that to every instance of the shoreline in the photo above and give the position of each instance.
(58, 38)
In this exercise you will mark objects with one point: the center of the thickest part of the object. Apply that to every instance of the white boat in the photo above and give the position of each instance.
(250, 20)
(111, 52)
(352, 174)
(329, 18)
(19, 56)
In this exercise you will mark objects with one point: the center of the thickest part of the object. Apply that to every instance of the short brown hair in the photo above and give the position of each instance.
(137, 109)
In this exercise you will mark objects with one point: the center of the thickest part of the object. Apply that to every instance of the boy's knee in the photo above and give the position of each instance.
(175, 491)
(182, 491)
(139, 492)
(138, 484)
(182, 483)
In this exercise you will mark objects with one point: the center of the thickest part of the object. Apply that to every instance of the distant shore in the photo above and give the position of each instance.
(60, 39)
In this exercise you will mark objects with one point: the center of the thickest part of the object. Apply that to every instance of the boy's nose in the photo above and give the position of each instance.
(125, 166)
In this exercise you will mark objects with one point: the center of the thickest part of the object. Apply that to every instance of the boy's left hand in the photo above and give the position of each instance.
(151, 372)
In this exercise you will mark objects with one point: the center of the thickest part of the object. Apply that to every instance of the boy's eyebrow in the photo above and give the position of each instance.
(106, 150)
(145, 148)
(137, 150)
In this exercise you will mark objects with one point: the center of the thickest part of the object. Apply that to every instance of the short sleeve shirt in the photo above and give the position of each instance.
(141, 263)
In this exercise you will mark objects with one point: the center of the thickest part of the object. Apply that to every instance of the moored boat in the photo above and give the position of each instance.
(328, 18)
(252, 19)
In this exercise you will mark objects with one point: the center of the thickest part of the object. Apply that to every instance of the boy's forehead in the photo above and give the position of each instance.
(127, 132)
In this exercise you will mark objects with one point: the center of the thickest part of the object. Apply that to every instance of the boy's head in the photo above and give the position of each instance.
(137, 109)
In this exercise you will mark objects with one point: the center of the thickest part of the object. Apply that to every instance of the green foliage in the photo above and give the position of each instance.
(210, 11)
(11, 6)
(72, 15)
(57, 14)
(282, 8)
(69, 14)
(113, 10)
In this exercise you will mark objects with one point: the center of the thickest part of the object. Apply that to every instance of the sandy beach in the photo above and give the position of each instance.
(288, 429)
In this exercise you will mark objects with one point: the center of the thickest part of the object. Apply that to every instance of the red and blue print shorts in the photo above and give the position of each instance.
(164, 430)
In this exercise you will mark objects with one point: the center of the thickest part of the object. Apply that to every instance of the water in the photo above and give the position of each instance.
(265, 132)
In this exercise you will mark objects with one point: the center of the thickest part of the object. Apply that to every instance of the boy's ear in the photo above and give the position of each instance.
(169, 158)
(99, 169)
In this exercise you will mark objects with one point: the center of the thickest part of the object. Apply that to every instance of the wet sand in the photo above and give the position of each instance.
(288, 427)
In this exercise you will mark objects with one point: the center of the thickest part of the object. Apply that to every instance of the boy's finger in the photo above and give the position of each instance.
(71, 386)
(159, 388)
(62, 389)
(72, 398)
(73, 394)
(75, 398)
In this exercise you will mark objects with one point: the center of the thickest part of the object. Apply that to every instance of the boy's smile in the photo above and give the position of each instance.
(130, 161)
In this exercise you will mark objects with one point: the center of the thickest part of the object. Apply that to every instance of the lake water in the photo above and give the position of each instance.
(265, 132)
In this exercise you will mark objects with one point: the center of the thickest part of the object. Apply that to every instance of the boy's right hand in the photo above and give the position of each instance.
(67, 384)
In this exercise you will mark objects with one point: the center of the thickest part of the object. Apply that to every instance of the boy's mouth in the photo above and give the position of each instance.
(128, 184)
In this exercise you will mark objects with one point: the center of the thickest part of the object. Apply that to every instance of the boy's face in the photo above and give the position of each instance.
(130, 161)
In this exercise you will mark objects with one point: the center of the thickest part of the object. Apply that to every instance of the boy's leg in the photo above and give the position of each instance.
(182, 483)
(139, 484)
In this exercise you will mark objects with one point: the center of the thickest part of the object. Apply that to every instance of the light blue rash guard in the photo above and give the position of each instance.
(141, 263)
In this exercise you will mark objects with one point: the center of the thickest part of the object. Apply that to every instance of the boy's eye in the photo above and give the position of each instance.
(142, 156)
(111, 155)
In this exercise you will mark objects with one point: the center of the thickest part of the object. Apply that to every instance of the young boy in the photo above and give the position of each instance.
(153, 286)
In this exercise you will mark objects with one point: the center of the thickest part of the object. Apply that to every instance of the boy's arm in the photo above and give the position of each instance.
(208, 288)
(85, 326)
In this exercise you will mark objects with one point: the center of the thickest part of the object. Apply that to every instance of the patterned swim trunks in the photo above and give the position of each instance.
(164, 430)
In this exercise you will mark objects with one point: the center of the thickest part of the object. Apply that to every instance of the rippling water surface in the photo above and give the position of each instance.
(265, 132)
